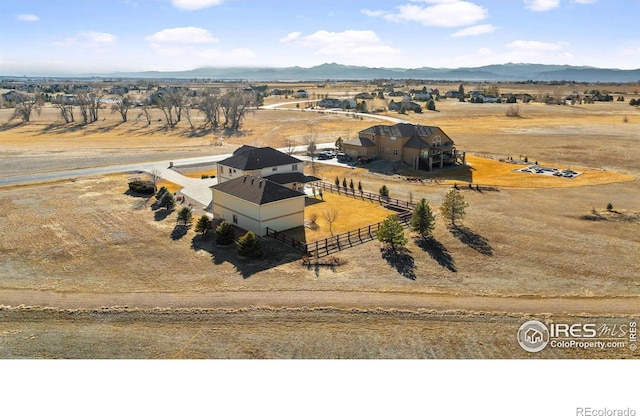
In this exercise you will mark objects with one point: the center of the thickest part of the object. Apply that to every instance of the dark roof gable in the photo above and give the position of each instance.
(401, 130)
(256, 190)
(255, 158)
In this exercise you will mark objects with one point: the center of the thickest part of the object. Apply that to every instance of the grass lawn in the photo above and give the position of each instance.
(352, 212)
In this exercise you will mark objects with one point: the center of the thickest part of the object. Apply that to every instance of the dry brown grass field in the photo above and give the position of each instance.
(525, 238)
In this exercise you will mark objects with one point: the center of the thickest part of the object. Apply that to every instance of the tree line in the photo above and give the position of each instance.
(218, 110)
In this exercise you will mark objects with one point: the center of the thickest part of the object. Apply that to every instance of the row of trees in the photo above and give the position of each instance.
(423, 220)
(218, 110)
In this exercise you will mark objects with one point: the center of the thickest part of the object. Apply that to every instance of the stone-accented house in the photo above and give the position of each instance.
(254, 203)
(404, 105)
(421, 147)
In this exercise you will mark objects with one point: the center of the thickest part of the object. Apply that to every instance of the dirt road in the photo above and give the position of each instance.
(318, 299)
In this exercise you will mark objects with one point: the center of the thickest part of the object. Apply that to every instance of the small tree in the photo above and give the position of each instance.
(161, 193)
(185, 216)
(249, 246)
(330, 216)
(391, 233)
(203, 225)
(352, 186)
(360, 188)
(339, 144)
(167, 201)
(454, 206)
(461, 93)
(337, 182)
(609, 206)
(423, 222)
(384, 191)
(344, 184)
(431, 105)
(225, 234)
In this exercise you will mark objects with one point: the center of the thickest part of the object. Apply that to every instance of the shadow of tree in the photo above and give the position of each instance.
(402, 260)
(179, 231)
(471, 239)
(161, 214)
(438, 252)
(275, 254)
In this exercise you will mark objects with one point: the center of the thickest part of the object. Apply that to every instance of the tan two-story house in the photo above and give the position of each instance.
(421, 147)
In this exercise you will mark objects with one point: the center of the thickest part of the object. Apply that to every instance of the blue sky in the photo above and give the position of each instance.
(57, 37)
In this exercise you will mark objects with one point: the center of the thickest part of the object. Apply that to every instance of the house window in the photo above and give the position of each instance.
(437, 141)
(393, 138)
(235, 219)
(395, 151)
(229, 171)
(294, 167)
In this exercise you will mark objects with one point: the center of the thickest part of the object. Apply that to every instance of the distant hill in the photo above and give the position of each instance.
(333, 71)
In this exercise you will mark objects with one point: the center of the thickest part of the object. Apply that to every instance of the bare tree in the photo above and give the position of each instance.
(209, 105)
(290, 145)
(25, 105)
(144, 111)
(89, 104)
(235, 105)
(121, 105)
(330, 216)
(65, 108)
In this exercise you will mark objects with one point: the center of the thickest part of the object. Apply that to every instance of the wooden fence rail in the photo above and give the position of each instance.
(329, 245)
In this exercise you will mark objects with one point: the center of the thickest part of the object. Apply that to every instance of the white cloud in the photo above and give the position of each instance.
(194, 4)
(442, 13)
(291, 37)
(361, 47)
(182, 35)
(27, 18)
(89, 39)
(541, 5)
(474, 31)
(373, 13)
(585, 1)
(534, 46)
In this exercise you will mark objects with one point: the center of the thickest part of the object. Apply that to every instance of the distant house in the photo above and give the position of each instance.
(12, 96)
(301, 94)
(452, 94)
(260, 187)
(406, 105)
(337, 103)
(364, 96)
(421, 147)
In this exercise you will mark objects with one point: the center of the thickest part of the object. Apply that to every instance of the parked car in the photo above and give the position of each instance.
(327, 154)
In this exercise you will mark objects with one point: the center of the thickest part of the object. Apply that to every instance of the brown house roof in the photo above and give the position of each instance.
(416, 142)
(291, 177)
(360, 141)
(256, 190)
(401, 130)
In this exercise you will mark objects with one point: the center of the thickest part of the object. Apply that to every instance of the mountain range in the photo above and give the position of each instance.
(333, 71)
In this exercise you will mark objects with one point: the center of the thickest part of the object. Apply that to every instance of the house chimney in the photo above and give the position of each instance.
(252, 179)
(260, 184)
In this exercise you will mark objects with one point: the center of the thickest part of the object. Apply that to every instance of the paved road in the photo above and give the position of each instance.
(162, 165)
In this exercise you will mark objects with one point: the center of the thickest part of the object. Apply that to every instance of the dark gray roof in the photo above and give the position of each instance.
(400, 130)
(256, 190)
(416, 142)
(254, 158)
(285, 178)
(360, 141)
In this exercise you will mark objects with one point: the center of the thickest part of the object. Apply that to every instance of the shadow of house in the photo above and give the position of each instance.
(438, 252)
(275, 254)
(471, 239)
(401, 260)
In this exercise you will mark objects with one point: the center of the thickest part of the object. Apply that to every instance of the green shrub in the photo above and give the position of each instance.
(249, 246)
(225, 234)
(142, 187)
(609, 206)
(384, 191)
(161, 192)
(203, 225)
(167, 201)
(185, 216)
